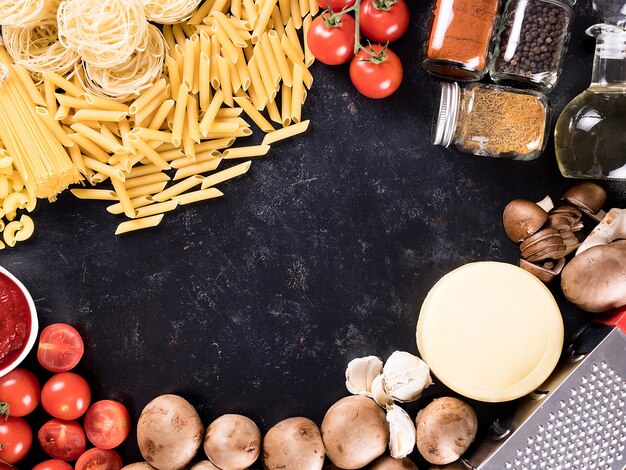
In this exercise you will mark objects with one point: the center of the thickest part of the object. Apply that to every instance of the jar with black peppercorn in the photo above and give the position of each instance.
(531, 43)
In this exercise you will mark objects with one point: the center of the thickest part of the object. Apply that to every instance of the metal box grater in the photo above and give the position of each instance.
(576, 422)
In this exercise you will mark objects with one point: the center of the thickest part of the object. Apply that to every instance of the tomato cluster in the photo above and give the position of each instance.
(333, 38)
(66, 397)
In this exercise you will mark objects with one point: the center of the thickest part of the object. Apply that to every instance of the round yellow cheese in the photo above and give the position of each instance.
(490, 331)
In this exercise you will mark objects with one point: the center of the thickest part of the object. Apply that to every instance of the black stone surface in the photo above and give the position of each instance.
(256, 302)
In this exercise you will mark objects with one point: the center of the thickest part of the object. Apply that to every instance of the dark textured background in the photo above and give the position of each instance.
(256, 302)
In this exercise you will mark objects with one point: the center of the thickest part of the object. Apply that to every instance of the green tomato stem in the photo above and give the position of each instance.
(4, 409)
(357, 29)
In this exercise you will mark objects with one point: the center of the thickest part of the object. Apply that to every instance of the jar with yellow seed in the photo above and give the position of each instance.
(493, 121)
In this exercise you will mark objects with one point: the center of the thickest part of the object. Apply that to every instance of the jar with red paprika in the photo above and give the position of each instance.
(459, 43)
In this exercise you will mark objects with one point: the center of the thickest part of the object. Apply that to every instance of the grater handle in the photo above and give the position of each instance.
(617, 319)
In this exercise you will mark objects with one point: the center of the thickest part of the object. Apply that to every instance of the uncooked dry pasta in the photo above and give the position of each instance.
(24, 13)
(138, 72)
(104, 33)
(37, 48)
(170, 11)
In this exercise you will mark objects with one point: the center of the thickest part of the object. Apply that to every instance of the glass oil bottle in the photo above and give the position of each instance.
(590, 135)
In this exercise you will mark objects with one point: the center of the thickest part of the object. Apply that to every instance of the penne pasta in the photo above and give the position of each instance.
(178, 188)
(137, 202)
(142, 171)
(202, 167)
(225, 82)
(254, 114)
(152, 155)
(161, 115)
(279, 56)
(285, 133)
(147, 96)
(146, 180)
(146, 190)
(309, 58)
(297, 93)
(200, 157)
(211, 113)
(99, 115)
(189, 57)
(54, 126)
(179, 116)
(139, 224)
(158, 208)
(262, 20)
(197, 196)
(246, 152)
(224, 175)
(90, 147)
(100, 140)
(97, 194)
(62, 83)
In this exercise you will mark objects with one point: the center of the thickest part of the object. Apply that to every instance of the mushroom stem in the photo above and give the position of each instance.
(546, 204)
(612, 227)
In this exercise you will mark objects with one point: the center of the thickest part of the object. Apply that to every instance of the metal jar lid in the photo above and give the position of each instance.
(448, 113)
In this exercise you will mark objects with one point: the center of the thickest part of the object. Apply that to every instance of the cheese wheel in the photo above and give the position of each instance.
(490, 331)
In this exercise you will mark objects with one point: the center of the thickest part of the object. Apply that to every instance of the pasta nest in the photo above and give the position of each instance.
(24, 13)
(37, 48)
(104, 33)
(126, 80)
(170, 11)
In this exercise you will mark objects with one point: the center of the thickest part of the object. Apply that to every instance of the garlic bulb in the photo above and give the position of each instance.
(360, 374)
(401, 432)
(405, 376)
(378, 392)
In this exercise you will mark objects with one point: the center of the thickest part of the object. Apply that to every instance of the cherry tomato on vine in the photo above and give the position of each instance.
(331, 38)
(66, 396)
(60, 347)
(16, 439)
(384, 20)
(53, 465)
(99, 459)
(19, 393)
(336, 5)
(107, 424)
(376, 71)
(63, 440)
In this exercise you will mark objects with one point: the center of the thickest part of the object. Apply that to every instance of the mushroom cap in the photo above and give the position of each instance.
(355, 432)
(542, 273)
(389, 463)
(595, 280)
(205, 465)
(232, 442)
(588, 197)
(293, 443)
(522, 218)
(138, 466)
(445, 429)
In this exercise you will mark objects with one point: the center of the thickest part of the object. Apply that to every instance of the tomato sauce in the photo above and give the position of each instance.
(15, 321)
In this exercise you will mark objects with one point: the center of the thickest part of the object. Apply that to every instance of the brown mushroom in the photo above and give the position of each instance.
(546, 272)
(293, 443)
(595, 280)
(522, 218)
(389, 463)
(588, 197)
(547, 243)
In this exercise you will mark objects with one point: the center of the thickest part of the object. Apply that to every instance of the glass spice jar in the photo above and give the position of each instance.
(531, 43)
(493, 121)
(459, 43)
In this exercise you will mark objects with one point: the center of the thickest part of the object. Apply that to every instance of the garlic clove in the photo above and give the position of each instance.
(402, 432)
(405, 376)
(378, 392)
(360, 374)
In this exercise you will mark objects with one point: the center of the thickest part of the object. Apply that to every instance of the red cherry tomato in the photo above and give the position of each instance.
(16, 439)
(107, 424)
(332, 45)
(99, 459)
(20, 391)
(66, 396)
(53, 465)
(377, 72)
(336, 5)
(384, 20)
(60, 347)
(63, 440)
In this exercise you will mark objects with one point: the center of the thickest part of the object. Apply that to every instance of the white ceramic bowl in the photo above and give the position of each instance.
(34, 325)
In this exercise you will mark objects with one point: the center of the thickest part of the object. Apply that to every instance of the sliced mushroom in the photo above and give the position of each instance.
(549, 252)
(569, 210)
(542, 235)
(561, 221)
(571, 241)
(588, 197)
(611, 228)
(522, 218)
(546, 272)
(595, 280)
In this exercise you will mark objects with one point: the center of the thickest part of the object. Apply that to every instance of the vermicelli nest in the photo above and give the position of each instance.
(38, 49)
(170, 11)
(140, 71)
(23, 13)
(105, 33)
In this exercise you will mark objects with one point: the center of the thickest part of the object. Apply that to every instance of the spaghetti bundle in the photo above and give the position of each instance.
(44, 165)
(23, 13)
(104, 33)
(126, 80)
(170, 11)
(37, 48)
